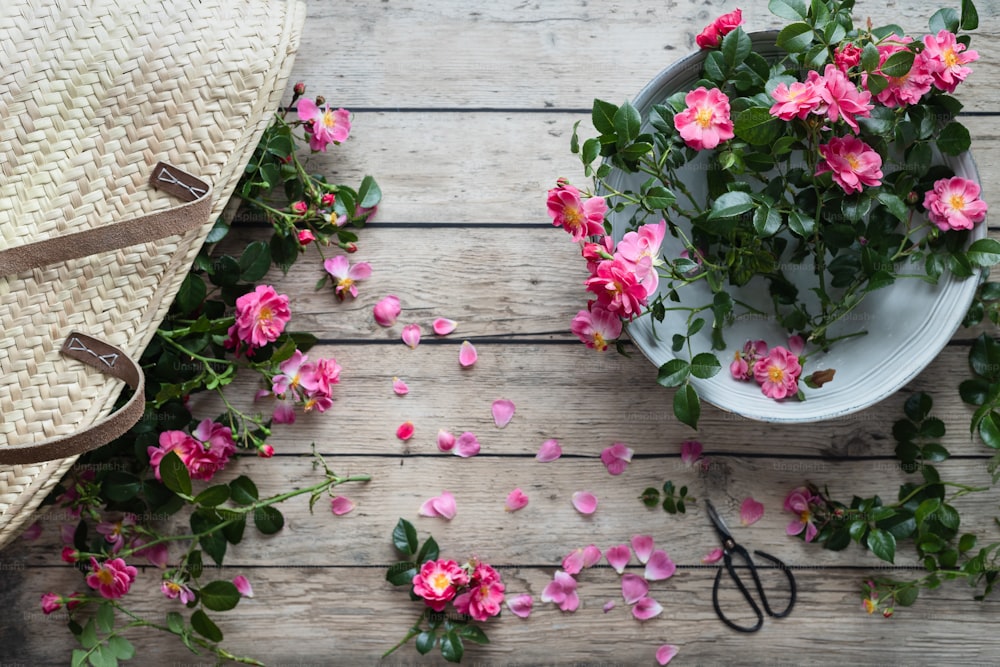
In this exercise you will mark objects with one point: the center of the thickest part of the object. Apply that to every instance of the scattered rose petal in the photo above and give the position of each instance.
(400, 387)
(562, 591)
(608, 606)
(445, 441)
(467, 354)
(441, 506)
(585, 502)
(521, 605)
(713, 556)
(515, 500)
(503, 412)
(618, 557)
(751, 511)
(690, 451)
(243, 586)
(549, 451)
(443, 326)
(341, 505)
(467, 445)
(796, 344)
(643, 547)
(32, 532)
(634, 588)
(582, 558)
(405, 431)
(616, 458)
(66, 532)
(659, 566)
(666, 653)
(647, 608)
(411, 335)
(386, 311)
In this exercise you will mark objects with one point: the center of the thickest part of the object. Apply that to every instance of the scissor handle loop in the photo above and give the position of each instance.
(728, 560)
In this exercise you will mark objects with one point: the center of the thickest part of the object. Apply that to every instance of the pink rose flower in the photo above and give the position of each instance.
(114, 531)
(796, 101)
(438, 582)
(595, 327)
(711, 36)
(326, 125)
(799, 501)
(909, 88)
(112, 578)
(954, 203)
(175, 590)
(843, 99)
(853, 163)
(580, 218)
(847, 56)
(642, 248)
(706, 122)
(50, 603)
(346, 275)
(778, 373)
(947, 59)
(484, 596)
(306, 237)
(261, 316)
(617, 287)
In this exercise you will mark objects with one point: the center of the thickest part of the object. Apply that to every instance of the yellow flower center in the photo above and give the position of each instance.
(345, 283)
(776, 375)
(950, 57)
(174, 588)
(599, 343)
(105, 576)
(956, 202)
(870, 605)
(573, 216)
(440, 581)
(328, 119)
(704, 117)
(265, 314)
(852, 160)
(805, 516)
(484, 591)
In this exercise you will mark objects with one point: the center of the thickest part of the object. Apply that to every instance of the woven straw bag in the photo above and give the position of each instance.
(124, 127)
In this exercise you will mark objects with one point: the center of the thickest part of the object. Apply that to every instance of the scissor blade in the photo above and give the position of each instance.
(720, 526)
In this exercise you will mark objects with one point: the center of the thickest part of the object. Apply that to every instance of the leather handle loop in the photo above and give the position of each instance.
(112, 361)
(194, 212)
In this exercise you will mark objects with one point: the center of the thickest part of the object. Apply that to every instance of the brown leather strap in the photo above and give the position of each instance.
(111, 361)
(196, 193)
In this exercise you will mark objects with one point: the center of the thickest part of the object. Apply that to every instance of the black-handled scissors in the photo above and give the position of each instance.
(730, 548)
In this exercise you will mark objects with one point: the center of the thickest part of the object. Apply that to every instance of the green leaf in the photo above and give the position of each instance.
(766, 221)
(659, 197)
(793, 10)
(212, 496)
(795, 37)
(603, 116)
(949, 517)
(79, 658)
(254, 262)
(369, 193)
(944, 19)
(121, 647)
(650, 497)
(243, 491)
(175, 622)
(225, 271)
(673, 373)
(219, 595)
(966, 543)
(715, 67)
(687, 406)
(191, 294)
(218, 231)
(927, 508)
(801, 224)
(974, 392)
(204, 626)
(404, 536)
(627, 123)
(120, 486)
(425, 642)
(474, 634)
(174, 474)
(233, 532)
(451, 647)
(895, 205)
(105, 617)
(931, 543)
(736, 46)
(429, 551)
(705, 365)
(88, 637)
(970, 17)
(757, 126)
(934, 452)
(591, 149)
(898, 64)
(268, 520)
(918, 406)
(102, 656)
(882, 544)
(984, 252)
(954, 139)
(401, 573)
(730, 205)
(907, 596)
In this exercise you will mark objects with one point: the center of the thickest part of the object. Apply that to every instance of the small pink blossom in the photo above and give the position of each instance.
(243, 586)
(261, 316)
(300, 207)
(265, 451)
(521, 605)
(705, 123)
(690, 452)
(341, 505)
(326, 125)
(503, 412)
(618, 557)
(634, 588)
(799, 502)
(778, 373)
(327, 199)
(907, 89)
(443, 326)
(399, 387)
(596, 327)
(616, 458)
(579, 217)
(843, 98)
(549, 451)
(411, 335)
(846, 56)
(386, 310)
(659, 566)
(647, 608)
(515, 500)
(947, 60)
(642, 249)
(795, 101)
(585, 502)
(405, 431)
(204, 452)
(643, 547)
(112, 578)
(562, 591)
(445, 441)
(467, 354)
(439, 506)
(954, 203)
(853, 163)
(581, 558)
(175, 590)
(346, 275)
(484, 596)
(438, 582)
(713, 556)
(50, 603)
(666, 653)
(467, 445)
(114, 531)
(617, 287)
(711, 36)
(69, 555)
(751, 511)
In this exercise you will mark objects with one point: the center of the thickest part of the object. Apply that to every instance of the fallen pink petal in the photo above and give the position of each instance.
(467, 445)
(445, 441)
(467, 354)
(503, 412)
(243, 586)
(411, 335)
(647, 608)
(634, 588)
(585, 502)
(690, 451)
(616, 458)
(666, 653)
(643, 547)
(608, 606)
(713, 556)
(751, 511)
(439, 506)
(405, 431)
(580, 559)
(521, 605)
(618, 557)
(659, 566)
(341, 505)
(443, 326)
(32, 532)
(562, 591)
(549, 451)
(515, 500)
(400, 387)
(386, 311)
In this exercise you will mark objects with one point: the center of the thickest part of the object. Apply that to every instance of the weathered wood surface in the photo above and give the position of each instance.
(464, 115)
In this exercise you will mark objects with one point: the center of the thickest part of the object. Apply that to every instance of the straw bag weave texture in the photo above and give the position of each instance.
(93, 95)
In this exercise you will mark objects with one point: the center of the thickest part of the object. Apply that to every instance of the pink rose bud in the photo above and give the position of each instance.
(299, 88)
(69, 555)
(300, 207)
(265, 452)
(306, 237)
(320, 100)
(328, 199)
(351, 247)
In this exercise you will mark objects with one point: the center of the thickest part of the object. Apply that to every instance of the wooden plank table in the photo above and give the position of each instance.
(463, 112)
